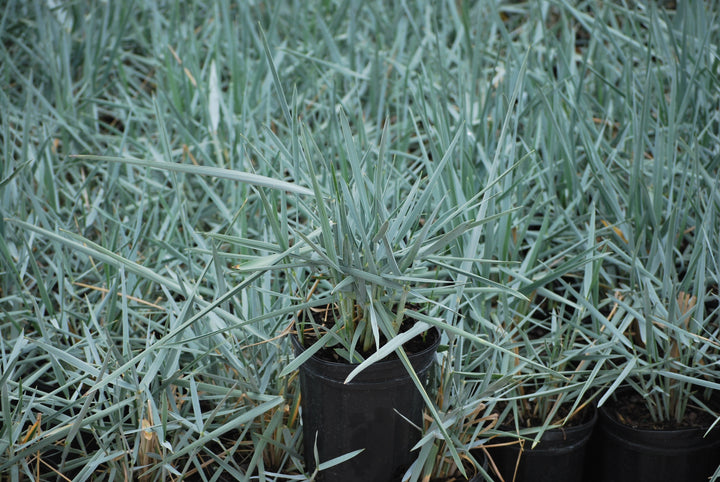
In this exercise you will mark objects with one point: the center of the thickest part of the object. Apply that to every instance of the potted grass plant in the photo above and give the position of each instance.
(374, 261)
(658, 419)
(545, 421)
(364, 339)
(536, 252)
(544, 411)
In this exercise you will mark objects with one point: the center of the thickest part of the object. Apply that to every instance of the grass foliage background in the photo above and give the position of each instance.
(138, 338)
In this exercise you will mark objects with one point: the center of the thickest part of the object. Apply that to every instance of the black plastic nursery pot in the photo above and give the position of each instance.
(558, 457)
(626, 454)
(374, 412)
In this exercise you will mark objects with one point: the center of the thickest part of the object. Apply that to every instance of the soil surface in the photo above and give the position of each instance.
(629, 408)
(326, 318)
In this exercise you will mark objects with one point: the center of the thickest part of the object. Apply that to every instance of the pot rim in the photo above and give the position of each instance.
(562, 436)
(688, 432)
(380, 370)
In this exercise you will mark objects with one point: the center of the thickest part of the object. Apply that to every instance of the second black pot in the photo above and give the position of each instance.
(558, 457)
(627, 454)
(375, 412)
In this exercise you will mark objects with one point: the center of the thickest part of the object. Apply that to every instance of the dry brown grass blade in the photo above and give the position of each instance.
(132, 298)
(148, 445)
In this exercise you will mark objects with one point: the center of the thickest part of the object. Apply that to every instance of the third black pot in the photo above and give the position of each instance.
(375, 412)
(627, 454)
(558, 457)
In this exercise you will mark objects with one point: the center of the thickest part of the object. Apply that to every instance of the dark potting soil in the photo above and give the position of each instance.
(629, 408)
(326, 318)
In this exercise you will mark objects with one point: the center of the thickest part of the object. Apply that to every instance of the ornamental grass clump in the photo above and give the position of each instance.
(659, 203)
(665, 332)
(376, 232)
